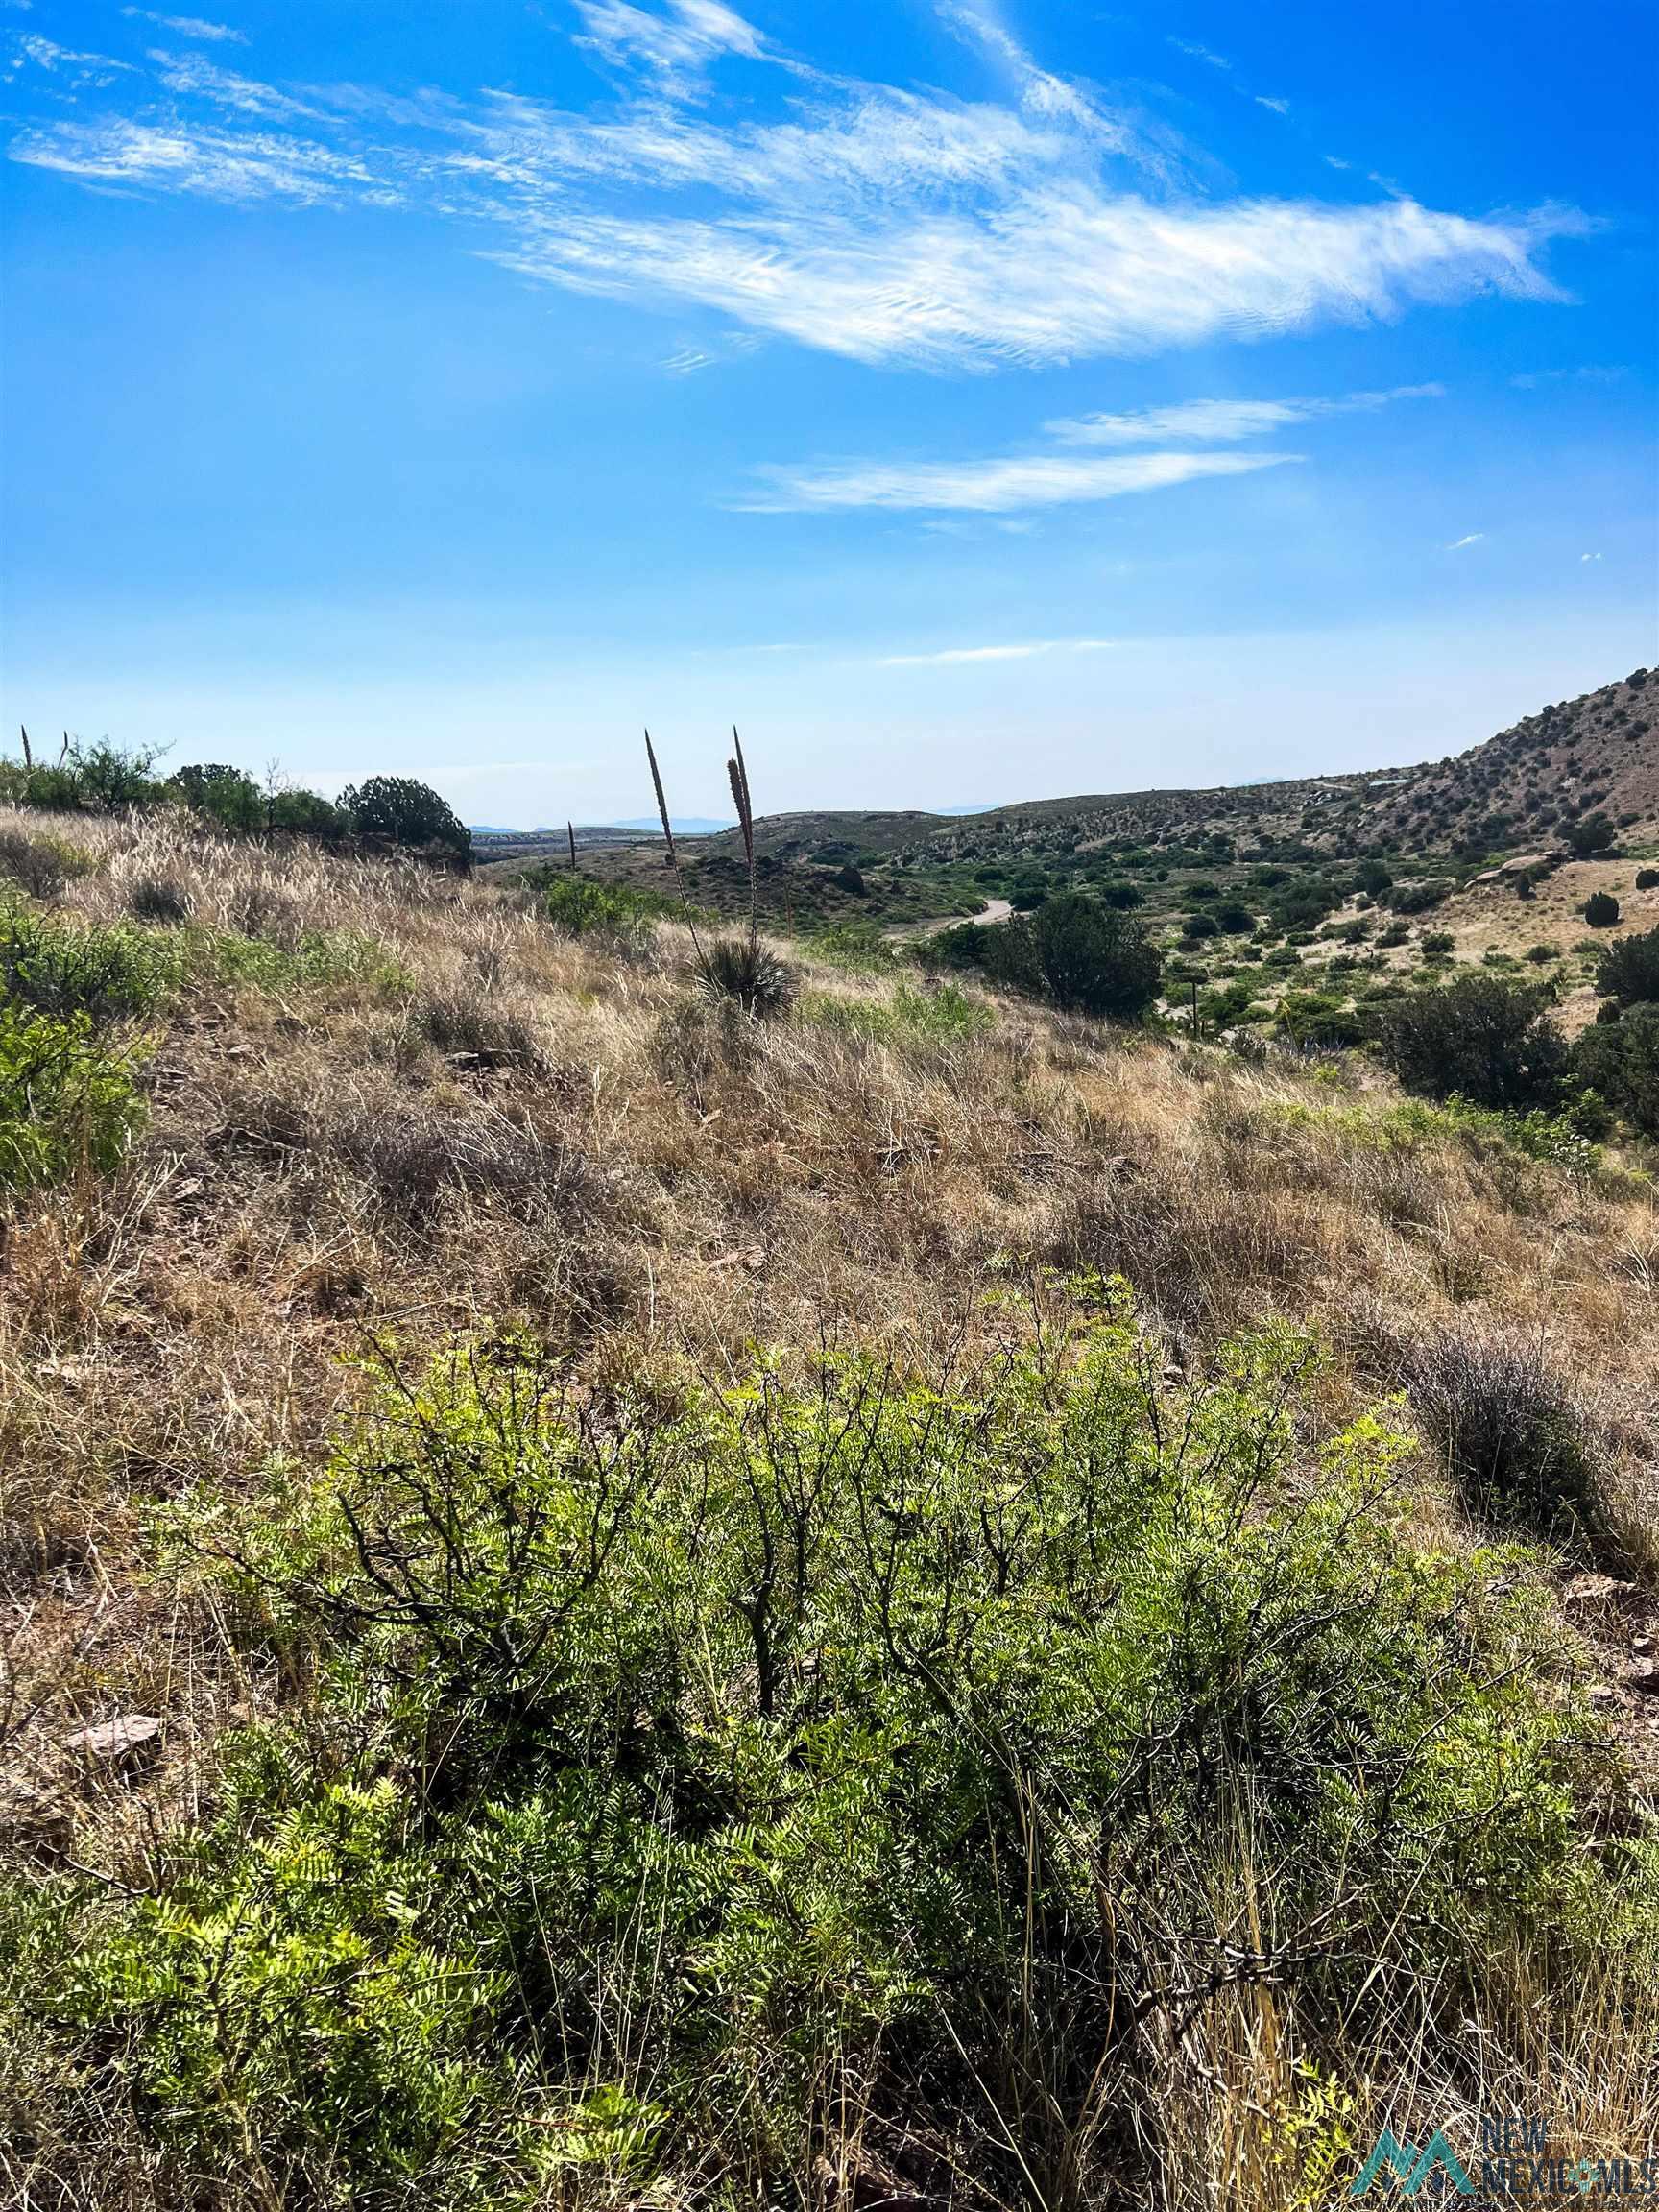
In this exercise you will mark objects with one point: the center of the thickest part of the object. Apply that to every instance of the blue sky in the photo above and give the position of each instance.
(971, 402)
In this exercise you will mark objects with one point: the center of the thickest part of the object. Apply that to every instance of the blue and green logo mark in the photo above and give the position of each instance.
(1412, 2169)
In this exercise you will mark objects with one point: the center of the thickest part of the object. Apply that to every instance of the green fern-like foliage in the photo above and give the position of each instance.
(671, 1758)
(66, 1102)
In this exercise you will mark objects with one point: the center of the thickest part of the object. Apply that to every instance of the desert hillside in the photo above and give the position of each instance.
(1595, 754)
(905, 1596)
(1528, 792)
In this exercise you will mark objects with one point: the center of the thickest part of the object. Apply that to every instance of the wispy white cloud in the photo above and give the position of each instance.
(678, 44)
(187, 26)
(1589, 556)
(1591, 372)
(1054, 273)
(219, 165)
(74, 70)
(192, 73)
(1192, 47)
(991, 486)
(1023, 652)
(886, 225)
(1266, 100)
(1227, 421)
(1472, 537)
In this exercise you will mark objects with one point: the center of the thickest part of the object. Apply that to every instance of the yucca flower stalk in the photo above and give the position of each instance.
(673, 850)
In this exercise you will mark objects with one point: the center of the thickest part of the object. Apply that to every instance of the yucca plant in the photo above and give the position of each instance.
(733, 968)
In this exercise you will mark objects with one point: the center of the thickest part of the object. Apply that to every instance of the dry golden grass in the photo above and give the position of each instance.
(530, 1131)
(624, 1170)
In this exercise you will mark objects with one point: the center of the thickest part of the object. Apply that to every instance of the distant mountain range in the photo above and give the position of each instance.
(591, 833)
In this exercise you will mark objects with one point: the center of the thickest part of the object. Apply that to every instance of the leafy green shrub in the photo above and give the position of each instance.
(61, 969)
(1647, 878)
(1302, 903)
(1082, 957)
(853, 1735)
(861, 948)
(101, 779)
(1621, 1061)
(227, 797)
(1590, 834)
(41, 865)
(281, 1967)
(944, 1016)
(1417, 897)
(318, 959)
(304, 813)
(1318, 1021)
(1480, 1036)
(1600, 910)
(583, 906)
(1628, 972)
(65, 1103)
(405, 812)
(55, 790)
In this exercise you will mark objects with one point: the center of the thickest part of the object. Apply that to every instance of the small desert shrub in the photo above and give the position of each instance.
(946, 1016)
(1600, 910)
(697, 1040)
(158, 899)
(861, 948)
(1082, 957)
(928, 1742)
(65, 1103)
(1628, 972)
(409, 1159)
(1318, 1021)
(1513, 1437)
(468, 1024)
(319, 959)
(1479, 1036)
(41, 865)
(61, 969)
(1647, 878)
(1419, 897)
(582, 907)
(1621, 1061)
(747, 972)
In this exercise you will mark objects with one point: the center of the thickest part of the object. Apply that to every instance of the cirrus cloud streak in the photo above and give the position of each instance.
(889, 224)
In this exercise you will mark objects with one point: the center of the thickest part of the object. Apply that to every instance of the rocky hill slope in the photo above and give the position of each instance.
(1598, 754)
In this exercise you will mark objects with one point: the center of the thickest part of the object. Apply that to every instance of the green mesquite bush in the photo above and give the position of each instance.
(805, 1721)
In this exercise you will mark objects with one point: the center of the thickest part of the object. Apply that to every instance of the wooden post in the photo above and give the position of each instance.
(1196, 1030)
